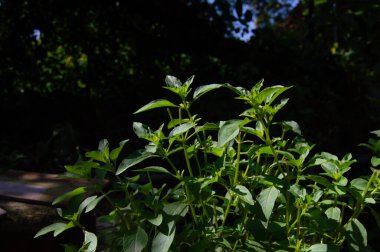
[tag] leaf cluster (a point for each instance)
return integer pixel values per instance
(235, 185)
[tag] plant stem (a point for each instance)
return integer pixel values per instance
(237, 160)
(192, 210)
(122, 216)
(187, 159)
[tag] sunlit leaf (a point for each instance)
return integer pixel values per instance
(267, 199)
(50, 228)
(204, 89)
(244, 194)
(69, 195)
(172, 81)
(132, 160)
(155, 104)
(90, 242)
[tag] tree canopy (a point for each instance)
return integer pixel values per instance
(92, 63)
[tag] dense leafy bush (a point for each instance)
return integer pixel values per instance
(247, 184)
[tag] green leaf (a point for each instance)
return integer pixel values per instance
(172, 81)
(103, 145)
(267, 199)
(320, 180)
(69, 195)
(204, 89)
(180, 129)
(91, 206)
(96, 155)
(153, 169)
(298, 191)
(359, 184)
(269, 94)
(136, 241)
(242, 92)
(155, 104)
(132, 160)
(330, 168)
(376, 132)
(162, 242)
(189, 81)
(85, 203)
(142, 130)
(60, 230)
(116, 152)
(90, 242)
(370, 200)
(176, 209)
(229, 130)
(175, 122)
(293, 126)
(357, 236)
(82, 168)
(375, 161)
(323, 248)
(333, 213)
(244, 194)
(50, 228)
(156, 220)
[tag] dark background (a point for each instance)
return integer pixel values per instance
(73, 72)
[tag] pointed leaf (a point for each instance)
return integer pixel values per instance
(244, 194)
(115, 152)
(50, 228)
(153, 169)
(293, 126)
(93, 203)
(269, 94)
(69, 195)
(136, 241)
(204, 89)
(228, 131)
(96, 155)
(132, 160)
(330, 168)
(267, 199)
(156, 220)
(180, 129)
(172, 81)
(155, 104)
(357, 236)
(162, 242)
(90, 242)
(376, 132)
(176, 209)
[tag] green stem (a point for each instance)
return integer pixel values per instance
(187, 159)
(192, 210)
(360, 205)
(227, 209)
(237, 161)
(171, 164)
(122, 216)
(270, 143)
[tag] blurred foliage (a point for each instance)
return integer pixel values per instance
(88, 62)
